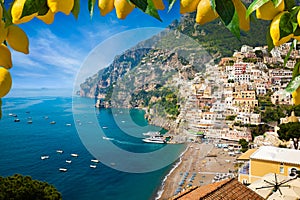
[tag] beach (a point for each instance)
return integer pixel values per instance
(198, 165)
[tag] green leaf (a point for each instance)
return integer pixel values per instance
(76, 9)
(228, 15)
(269, 40)
(35, 6)
(277, 2)
(293, 85)
(296, 71)
(7, 16)
(289, 4)
(91, 6)
(285, 25)
(254, 5)
(147, 6)
(213, 4)
(288, 54)
(171, 4)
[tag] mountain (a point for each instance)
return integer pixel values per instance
(153, 73)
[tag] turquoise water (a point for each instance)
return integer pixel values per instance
(22, 144)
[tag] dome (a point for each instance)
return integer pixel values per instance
(293, 118)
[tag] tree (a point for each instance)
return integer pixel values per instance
(244, 145)
(18, 187)
(290, 131)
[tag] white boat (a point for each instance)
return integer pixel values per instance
(106, 138)
(105, 127)
(95, 161)
(152, 133)
(53, 122)
(59, 151)
(74, 155)
(69, 125)
(63, 169)
(44, 157)
(93, 166)
(29, 122)
(69, 161)
(10, 114)
(155, 139)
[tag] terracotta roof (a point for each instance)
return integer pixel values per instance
(228, 189)
(247, 154)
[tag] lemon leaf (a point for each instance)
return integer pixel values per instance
(228, 15)
(293, 85)
(285, 26)
(76, 8)
(7, 15)
(147, 6)
(35, 6)
(269, 40)
(289, 4)
(288, 54)
(296, 70)
(276, 2)
(255, 5)
(91, 6)
(171, 4)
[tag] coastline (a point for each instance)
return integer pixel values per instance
(197, 166)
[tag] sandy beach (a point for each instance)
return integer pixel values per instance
(199, 165)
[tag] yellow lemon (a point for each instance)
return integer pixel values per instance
(188, 6)
(205, 13)
(5, 57)
(48, 18)
(17, 39)
(268, 10)
(275, 31)
(159, 4)
(1, 12)
(5, 82)
(64, 6)
(123, 8)
(241, 11)
(105, 6)
(296, 96)
(16, 12)
(3, 31)
(298, 18)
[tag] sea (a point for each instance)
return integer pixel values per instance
(23, 143)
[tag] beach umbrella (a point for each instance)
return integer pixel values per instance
(276, 186)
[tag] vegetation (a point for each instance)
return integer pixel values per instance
(18, 187)
(290, 131)
(244, 145)
(230, 117)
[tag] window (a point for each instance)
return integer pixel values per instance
(281, 170)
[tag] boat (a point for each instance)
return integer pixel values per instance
(44, 157)
(59, 151)
(29, 122)
(105, 127)
(63, 169)
(106, 138)
(152, 133)
(53, 122)
(69, 161)
(74, 155)
(10, 114)
(95, 161)
(93, 166)
(46, 117)
(17, 120)
(68, 124)
(155, 139)
(14, 115)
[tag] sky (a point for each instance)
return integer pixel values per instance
(58, 51)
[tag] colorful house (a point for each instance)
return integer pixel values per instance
(268, 159)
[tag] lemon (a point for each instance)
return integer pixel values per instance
(16, 12)
(48, 18)
(17, 39)
(241, 11)
(268, 10)
(205, 13)
(298, 18)
(296, 96)
(105, 6)
(3, 31)
(64, 6)
(123, 8)
(5, 57)
(188, 6)
(275, 31)
(159, 4)
(5, 82)
(1, 12)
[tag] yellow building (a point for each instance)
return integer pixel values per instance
(268, 159)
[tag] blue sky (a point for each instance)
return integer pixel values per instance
(57, 51)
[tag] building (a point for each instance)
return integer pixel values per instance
(269, 159)
(228, 189)
(281, 97)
